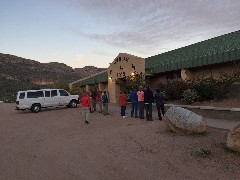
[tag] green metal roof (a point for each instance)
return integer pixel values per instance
(95, 79)
(216, 50)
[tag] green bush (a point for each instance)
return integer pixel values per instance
(206, 87)
(189, 95)
(173, 88)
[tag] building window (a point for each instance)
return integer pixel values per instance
(173, 74)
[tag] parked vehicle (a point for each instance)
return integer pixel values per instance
(34, 100)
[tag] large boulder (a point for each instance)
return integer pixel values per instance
(181, 120)
(233, 139)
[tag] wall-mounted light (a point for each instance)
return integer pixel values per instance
(110, 78)
(132, 73)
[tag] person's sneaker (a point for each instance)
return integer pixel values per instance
(86, 122)
(124, 116)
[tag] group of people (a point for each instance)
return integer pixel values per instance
(143, 99)
(140, 99)
(89, 102)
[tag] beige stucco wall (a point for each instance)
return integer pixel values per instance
(212, 70)
(122, 66)
(193, 73)
(102, 86)
(156, 80)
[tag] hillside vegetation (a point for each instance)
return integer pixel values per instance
(18, 73)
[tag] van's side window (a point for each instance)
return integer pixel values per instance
(47, 93)
(22, 95)
(63, 93)
(53, 93)
(36, 94)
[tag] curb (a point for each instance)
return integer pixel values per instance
(206, 107)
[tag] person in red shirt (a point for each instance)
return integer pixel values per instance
(123, 104)
(85, 101)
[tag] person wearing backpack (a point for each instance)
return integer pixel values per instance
(159, 98)
(105, 101)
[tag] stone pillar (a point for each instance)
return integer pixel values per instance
(101, 86)
(114, 90)
(88, 87)
(186, 75)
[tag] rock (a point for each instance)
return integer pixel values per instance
(181, 120)
(233, 139)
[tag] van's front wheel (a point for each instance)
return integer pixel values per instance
(36, 108)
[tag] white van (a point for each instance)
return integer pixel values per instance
(34, 100)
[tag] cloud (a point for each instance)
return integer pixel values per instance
(146, 26)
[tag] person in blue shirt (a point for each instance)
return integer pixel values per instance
(134, 101)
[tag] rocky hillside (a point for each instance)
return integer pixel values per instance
(18, 73)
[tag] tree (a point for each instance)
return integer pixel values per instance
(132, 81)
(61, 85)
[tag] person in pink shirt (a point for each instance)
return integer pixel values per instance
(140, 95)
(85, 101)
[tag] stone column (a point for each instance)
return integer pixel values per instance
(88, 87)
(101, 86)
(186, 75)
(114, 90)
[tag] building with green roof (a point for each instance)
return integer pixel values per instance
(210, 57)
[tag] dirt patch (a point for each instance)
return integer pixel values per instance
(56, 144)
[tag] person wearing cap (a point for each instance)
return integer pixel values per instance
(105, 101)
(140, 95)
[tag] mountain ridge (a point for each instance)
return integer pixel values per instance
(17, 73)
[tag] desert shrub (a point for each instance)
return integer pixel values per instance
(173, 89)
(190, 95)
(133, 82)
(206, 87)
(210, 88)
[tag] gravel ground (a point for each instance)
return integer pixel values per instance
(56, 144)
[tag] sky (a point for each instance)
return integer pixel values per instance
(93, 32)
